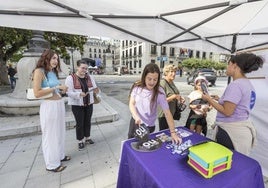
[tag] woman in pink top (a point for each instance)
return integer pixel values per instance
(145, 96)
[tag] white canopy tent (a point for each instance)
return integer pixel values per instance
(207, 25)
(211, 25)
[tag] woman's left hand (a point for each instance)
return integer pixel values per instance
(96, 90)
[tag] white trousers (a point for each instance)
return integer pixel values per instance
(52, 120)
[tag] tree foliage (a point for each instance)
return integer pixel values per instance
(60, 42)
(194, 63)
(13, 42)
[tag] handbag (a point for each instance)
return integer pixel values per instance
(30, 93)
(97, 98)
(177, 114)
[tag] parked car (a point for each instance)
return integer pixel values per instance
(209, 74)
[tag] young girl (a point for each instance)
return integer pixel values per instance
(197, 118)
(145, 96)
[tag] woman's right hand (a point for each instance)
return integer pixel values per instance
(175, 138)
(138, 121)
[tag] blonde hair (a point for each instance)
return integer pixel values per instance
(168, 68)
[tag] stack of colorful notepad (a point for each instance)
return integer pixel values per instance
(210, 158)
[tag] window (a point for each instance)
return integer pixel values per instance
(103, 51)
(99, 50)
(204, 55)
(99, 55)
(210, 55)
(152, 60)
(130, 52)
(135, 63)
(190, 53)
(197, 54)
(135, 51)
(171, 51)
(140, 63)
(95, 50)
(163, 50)
(90, 55)
(95, 55)
(123, 43)
(153, 49)
(140, 50)
(89, 49)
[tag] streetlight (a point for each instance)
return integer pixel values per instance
(72, 52)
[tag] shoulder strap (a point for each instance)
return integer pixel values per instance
(32, 76)
(171, 87)
(45, 77)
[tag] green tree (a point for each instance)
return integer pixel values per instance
(194, 63)
(14, 41)
(11, 40)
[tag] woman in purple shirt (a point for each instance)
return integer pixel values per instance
(234, 129)
(145, 96)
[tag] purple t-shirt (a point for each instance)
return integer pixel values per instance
(142, 98)
(242, 93)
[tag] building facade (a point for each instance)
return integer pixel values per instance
(135, 55)
(130, 57)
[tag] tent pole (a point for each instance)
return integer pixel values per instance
(233, 49)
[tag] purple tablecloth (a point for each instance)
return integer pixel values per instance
(163, 169)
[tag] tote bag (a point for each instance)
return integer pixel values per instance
(30, 93)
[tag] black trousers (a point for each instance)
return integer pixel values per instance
(162, 123)
(223, 138)
(133, 127)
(82, 115)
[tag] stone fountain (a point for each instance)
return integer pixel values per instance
(16, 103)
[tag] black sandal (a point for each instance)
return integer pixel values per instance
(66, 158)
(58, 169)
(89, 141)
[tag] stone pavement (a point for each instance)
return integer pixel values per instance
(16, 126)
(22, 164)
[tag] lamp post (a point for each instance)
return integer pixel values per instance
(72, 52)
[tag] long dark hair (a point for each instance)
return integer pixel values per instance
(44, 62)
(149, 68)
(247, 62)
